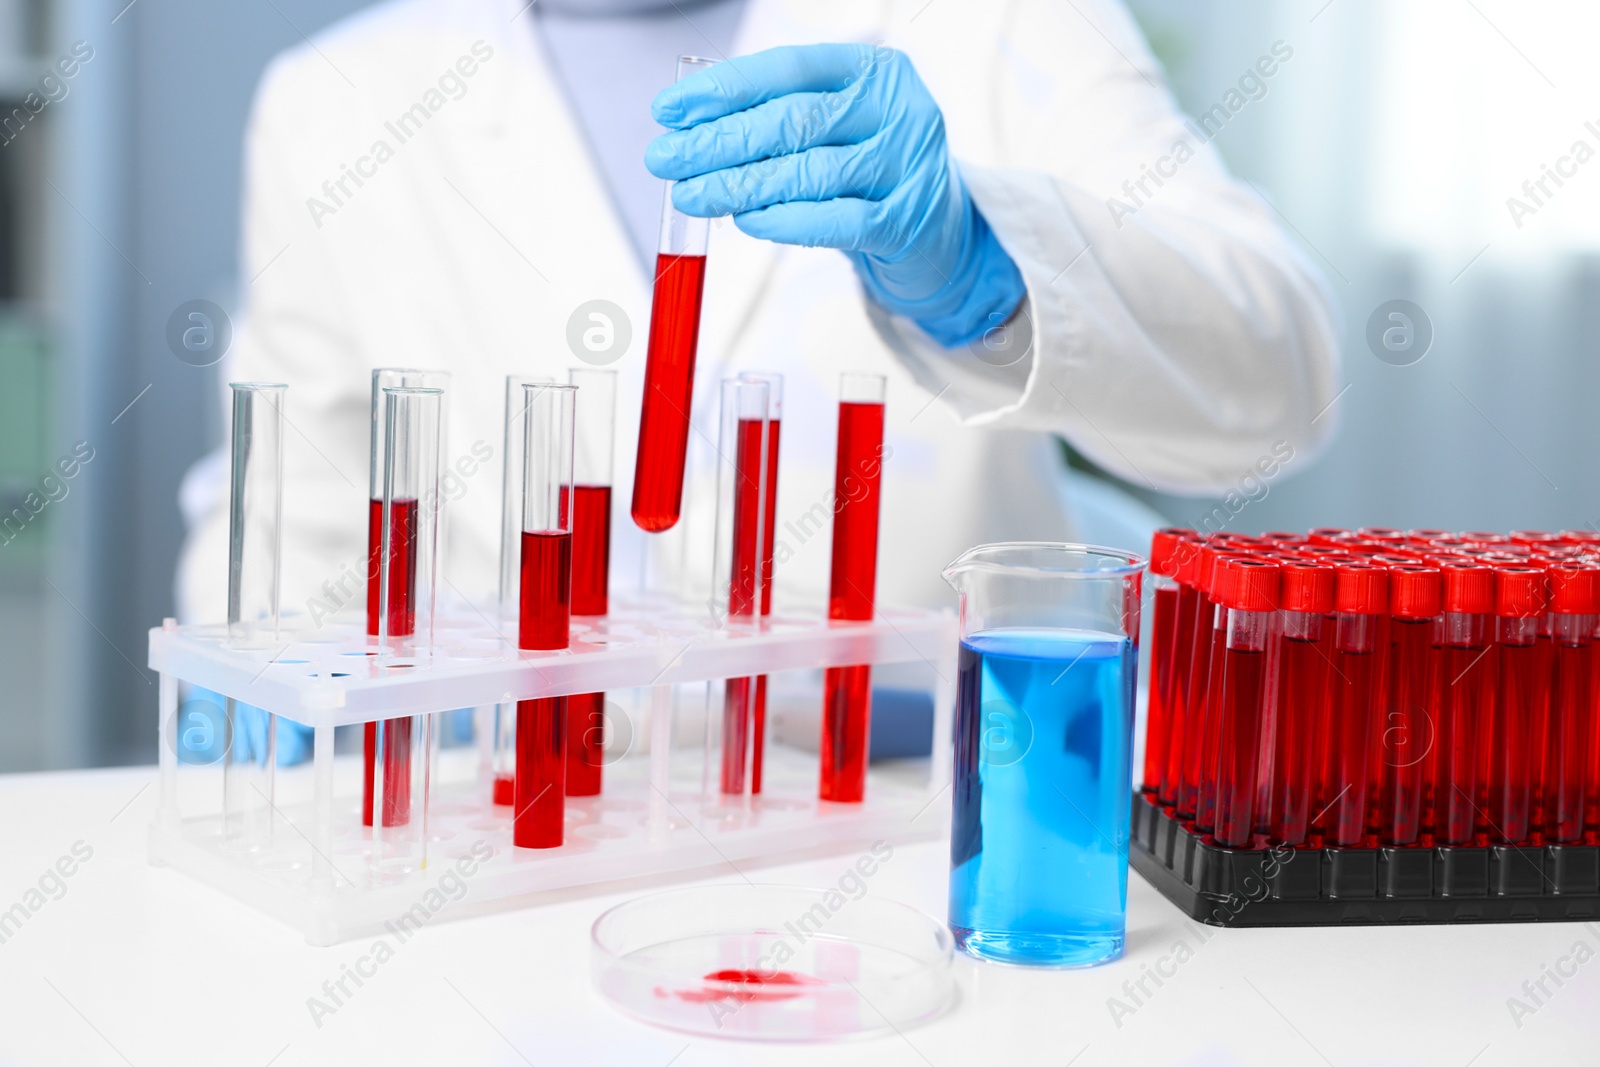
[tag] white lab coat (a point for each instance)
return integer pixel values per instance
(1175, 349)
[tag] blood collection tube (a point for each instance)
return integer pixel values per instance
(503, 740)
(544, 610)
(255, 549)
(1191, 604)
(1207, 617)
(1408, 729)
(1163, 634)
(1466, 693)
(595, 437)
(1574, 602)
(408, 562)
(669, 363)
(386, 378)
(1205, 756)
(853, 576)
(742, 536)
(1305, 649)
(769, 518)
(1250, 595)
(1521, 598)
(1361, 604)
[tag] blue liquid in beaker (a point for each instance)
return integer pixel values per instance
(1039, 841)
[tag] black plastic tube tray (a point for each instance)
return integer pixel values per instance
(1285, 886)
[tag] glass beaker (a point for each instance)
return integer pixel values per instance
(1043, 751)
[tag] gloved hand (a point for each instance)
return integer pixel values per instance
(840, 146)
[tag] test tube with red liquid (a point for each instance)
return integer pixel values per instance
(847, 691)
(1191, 619)
(1211, 629)
(503, 741)
(769, 518)
(387, 378)
(1466, 694)
(593, 446)
(669, 361)
(1514, 749)
(743, 537)
(255, 548)
(1574, 603)
(408, 567)
(1305, 649)
(1165, 591)
(1407, 733)
(544, 610)
(1248, 591)
(1361, 605)
(1204, 758)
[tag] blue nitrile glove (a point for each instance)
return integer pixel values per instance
(202, 733)
(840, 146)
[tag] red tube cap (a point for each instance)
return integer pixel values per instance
(1415, 591)
(1468, 587)
(1520, 592)
(1534, 537)
(1430, 535)
(1164, 550)
(1360, 589)
(1247, 584)
(1485, 537)
(1574, 589)
(1328, 535)
(1306, 586)
(1580, 537)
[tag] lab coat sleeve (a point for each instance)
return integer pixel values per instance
(1178, 338)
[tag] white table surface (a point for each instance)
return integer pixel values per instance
(143, 966)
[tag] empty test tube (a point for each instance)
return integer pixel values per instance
(255, 547)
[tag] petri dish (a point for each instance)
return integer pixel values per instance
(772, 962)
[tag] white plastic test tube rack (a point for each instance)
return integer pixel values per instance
(652, 818)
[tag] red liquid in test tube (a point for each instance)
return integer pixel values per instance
(545, 606)
(1249, 593)
(1408, 731)
(1191, 607)
(847, 691)
(1163, 652)
(1520, 602)
(669, 360)
(745, 592)
(668, 391)
(594, 438)
(1360, 613)
(1205, 756)
(1574, 601)
(402, 623)
(1194, 728)
(1466, 693)
(1306, 650)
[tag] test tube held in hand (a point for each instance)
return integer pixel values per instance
(385, 378)
(847, 691)
(742, 539)
(408, 568)
(545, 608)
(594, 443)
(669, 362)
(255, 548)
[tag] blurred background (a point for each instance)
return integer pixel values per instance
(1389, 143)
